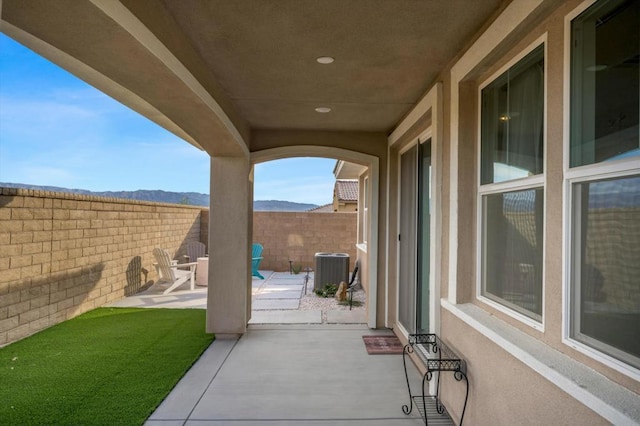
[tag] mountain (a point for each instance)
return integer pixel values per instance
(281, 206)
(191, 198)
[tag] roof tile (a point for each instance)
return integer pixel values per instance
(347, 189)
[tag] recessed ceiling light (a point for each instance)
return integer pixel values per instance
(323, 110)
(325, 60)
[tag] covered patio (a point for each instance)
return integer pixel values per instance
(298, 374)
(292, 366)
(259, 82)
(481, 134)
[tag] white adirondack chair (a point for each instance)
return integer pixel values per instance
(170, 273)
(194, 249)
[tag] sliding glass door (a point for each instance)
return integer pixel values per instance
(415, 239)
(407, 261)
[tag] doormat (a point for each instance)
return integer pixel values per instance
(382, 345)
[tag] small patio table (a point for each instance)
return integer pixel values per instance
(202, 272)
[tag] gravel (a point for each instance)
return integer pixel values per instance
(311, 301)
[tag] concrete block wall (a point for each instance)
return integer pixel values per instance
(64, 254)
(204, 228)
(298, 236)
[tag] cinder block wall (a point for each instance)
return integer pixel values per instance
(299, 236)
(204, 228)
(64, 254)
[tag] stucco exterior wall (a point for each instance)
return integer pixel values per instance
(503, 389)
(64, 254)
(298, 236)
(342, 207)
(550, 28)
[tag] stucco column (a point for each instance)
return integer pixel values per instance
(230, 236)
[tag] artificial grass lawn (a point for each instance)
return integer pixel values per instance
(110, 366)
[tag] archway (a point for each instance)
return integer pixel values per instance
(373, 165)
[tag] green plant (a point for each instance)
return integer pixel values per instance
(329, 290)
(296, 268)
(109, 366)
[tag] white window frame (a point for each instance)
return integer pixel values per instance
(583, 174)
(532, 182)
(365, 209)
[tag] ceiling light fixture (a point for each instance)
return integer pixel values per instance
(323, 110)
(325, 60)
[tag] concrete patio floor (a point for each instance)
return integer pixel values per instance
(290, 375)
(275, 300)
(290, 367)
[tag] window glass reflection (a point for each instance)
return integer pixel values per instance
(605, 76)
(512, 263)
(513, 121)
(607, 253)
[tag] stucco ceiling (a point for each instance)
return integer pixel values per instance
(387, 54)
(255, 60)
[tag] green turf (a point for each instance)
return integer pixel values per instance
(110, 366)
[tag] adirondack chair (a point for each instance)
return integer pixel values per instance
(170, 273)
(194, 249)
(256, 258)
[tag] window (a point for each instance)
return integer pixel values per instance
(512, 255)
(511, 188)
(604, 180)
(606, 244)
(604, 83)
(512, 121)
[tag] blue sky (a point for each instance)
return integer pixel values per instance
(57, 130)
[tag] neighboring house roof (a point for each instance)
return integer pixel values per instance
(327, 208)
(346, 170)
(346, 190)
